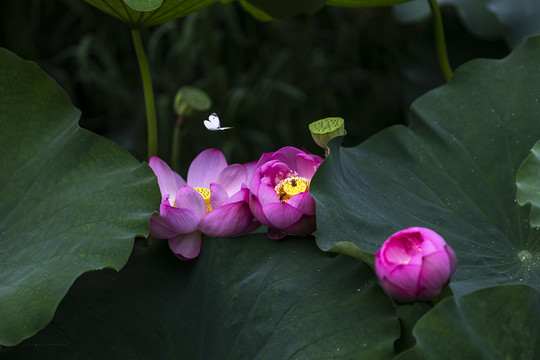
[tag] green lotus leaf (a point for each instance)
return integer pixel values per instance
(494, 323)
(144, 13)
(71, 200)
(452, 170)
(244, 298)
(144, 5)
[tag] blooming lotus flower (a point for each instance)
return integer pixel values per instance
(213, 201)
(280, 196)
(415, 264)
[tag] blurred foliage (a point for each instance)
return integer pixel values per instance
(268, 80)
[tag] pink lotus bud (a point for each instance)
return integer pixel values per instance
(415, 264)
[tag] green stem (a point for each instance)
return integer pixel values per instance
(444, 64)
(148, 92)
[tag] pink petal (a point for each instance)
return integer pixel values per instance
(255, 180)
(431, 236)
(402, 246)
(218, 195)
(303, 227)
(382, 266)
(406, 277)
(250, 170)
(232, 178)
(307, 164)
(186, 246)
(435, 270)
(169, 182)
(266, 157)
(242, 195)
(303, 202)
(397, 292)
(429, 247)
(257, 210)
(287, 155)
(267, 194)
(273, 172)
(187, 198)
(228, 220)
(160, 229)
(281, 215)
(181, 220)
(205, 168)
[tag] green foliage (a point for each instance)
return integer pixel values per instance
(364, 3)
(528, 184)
(279, 9)
(189, 99)
(243, 298)
(71, 201)
(144, 13)
(494, 323)
(519, 19)
(515, 20)
(452, 170)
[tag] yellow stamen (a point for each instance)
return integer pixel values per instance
(291, 186)
(205, 193)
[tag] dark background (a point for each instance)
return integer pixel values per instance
(267, 80)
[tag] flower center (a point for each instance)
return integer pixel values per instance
(205, 193)
(291, 186)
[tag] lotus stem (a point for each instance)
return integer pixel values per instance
(440, 43)
(148, 93)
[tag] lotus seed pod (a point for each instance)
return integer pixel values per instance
(326, 129)
(189, 99)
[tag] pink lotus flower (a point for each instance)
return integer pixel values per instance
(214, 201)
(280, 196)
(415, 264)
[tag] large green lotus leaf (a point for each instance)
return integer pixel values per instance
(243, 298)
(452, 169)
(71, 200)
(494, 323)
(528, 184)
(140, 13)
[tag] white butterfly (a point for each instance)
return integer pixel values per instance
(213, 123)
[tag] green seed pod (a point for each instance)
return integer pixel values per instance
(326, 129)
(189, 99)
